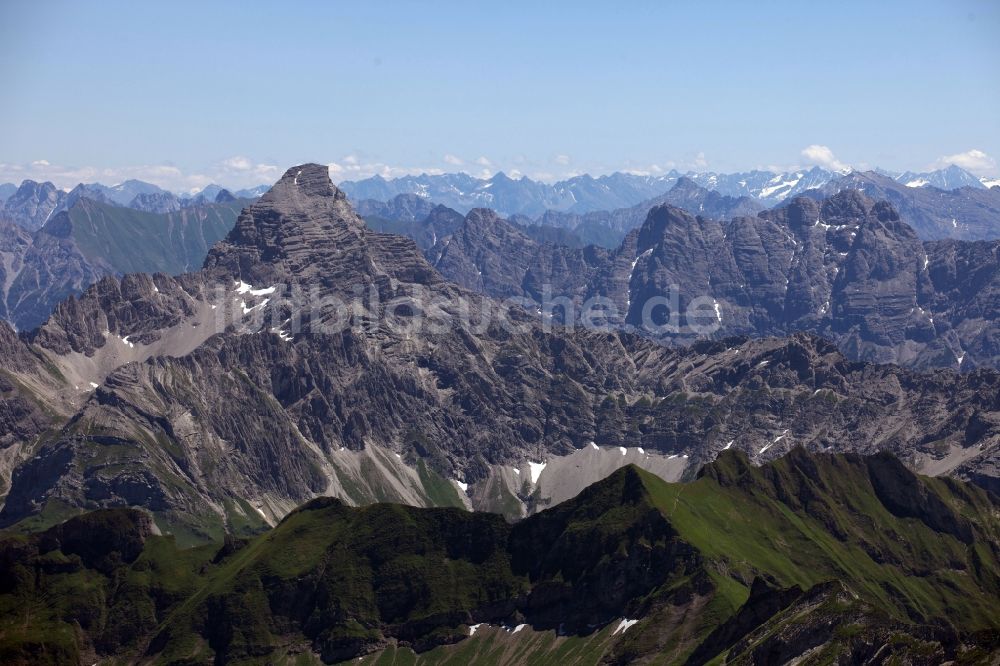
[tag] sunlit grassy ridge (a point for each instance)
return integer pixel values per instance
(827, 552)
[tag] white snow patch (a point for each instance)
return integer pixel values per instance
(247, 310)
(244, 288)
(729, 444)
(644, 254)
(623, 626)
(628, 301)
(786, 185)
(960, 357)
(623, 450)
(641, 451)
(927, 260)
(93, 385)
(473, 628)
(463, 486)
(536, 470)
(718, 310)
(595, 446)
(518, 628)
(954, 223)
(516, 470)
(125, 340)
(919, 182)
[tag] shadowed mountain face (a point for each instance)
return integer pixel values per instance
(90, 239)
(221, 399)
(846, 268)
(840, 557)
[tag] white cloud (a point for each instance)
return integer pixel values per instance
(824, 157)
(235, 172)
(974, 161)
(700, 162)
(659, 170)
(453, 160)
(353, 168)
(238, 163)
(483, 162)
(562, 160)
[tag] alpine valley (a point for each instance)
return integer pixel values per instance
(346, 438)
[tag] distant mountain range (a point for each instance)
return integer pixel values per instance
(949, 178)
(565, 204)
(32, 204)
(583, 194)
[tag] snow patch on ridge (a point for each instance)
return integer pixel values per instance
(244, 288)
(623, 626)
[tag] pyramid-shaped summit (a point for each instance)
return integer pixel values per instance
(304, 231)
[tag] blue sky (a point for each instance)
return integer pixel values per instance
(183, 93)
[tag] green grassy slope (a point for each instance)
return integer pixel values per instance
(838, 555)
(131, 241)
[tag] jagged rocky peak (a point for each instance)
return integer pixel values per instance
(303, 231)
(304, 213)
(661, 220)
(686, 184)
(485, 219)
(846, 208)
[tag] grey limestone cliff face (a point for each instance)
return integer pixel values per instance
(846, 268)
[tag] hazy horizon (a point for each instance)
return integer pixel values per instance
(186, 95)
